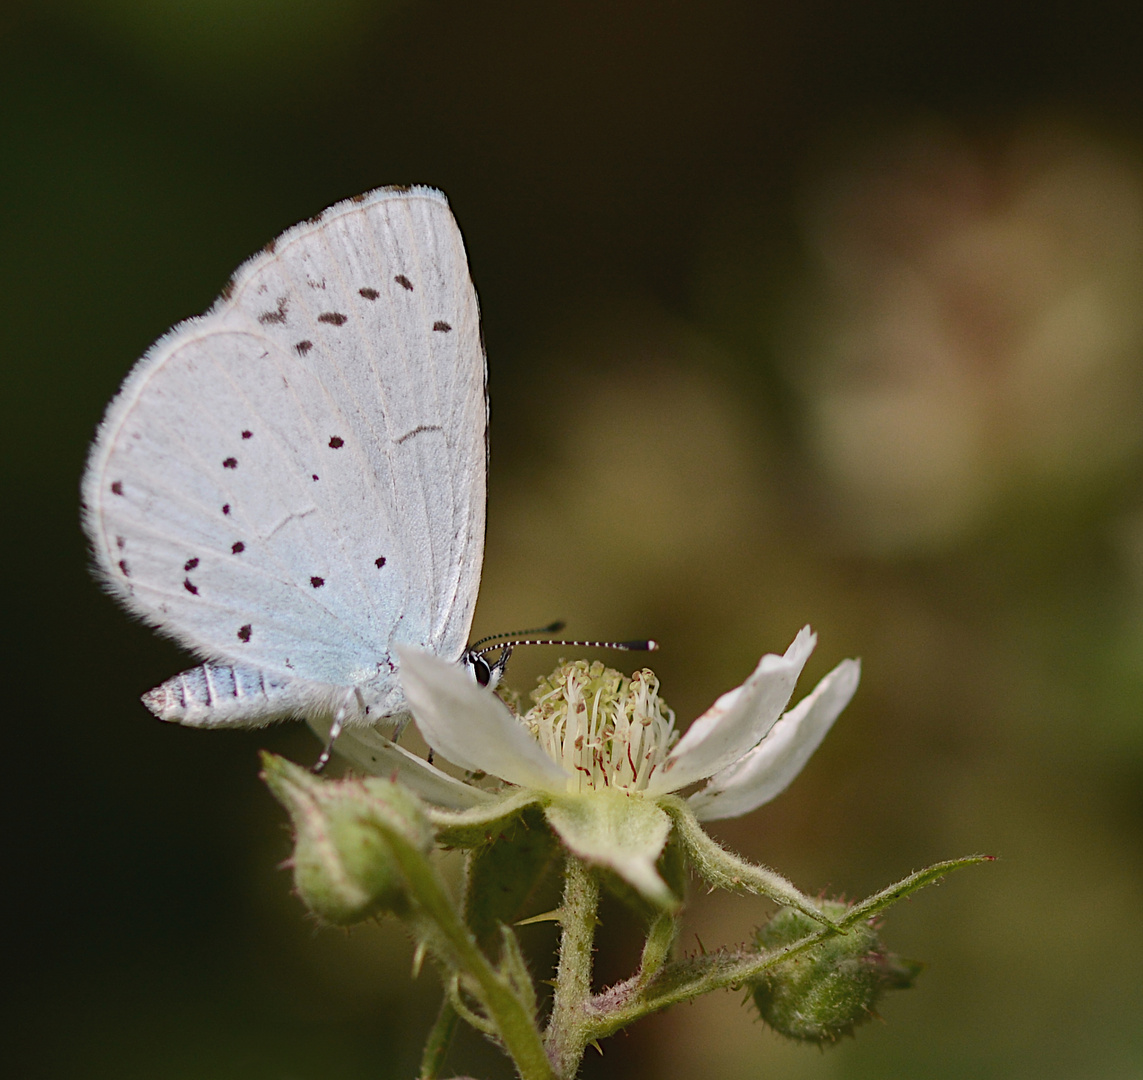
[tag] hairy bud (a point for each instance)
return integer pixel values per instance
(344, 870)
(824, 992)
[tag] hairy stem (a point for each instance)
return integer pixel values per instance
(684, 980)
(566, 1036)
(722, 869)
(438, 1042)
(661, 938)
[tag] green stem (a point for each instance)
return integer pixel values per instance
(722, 869)
(448, 935)
(661, 938)
(684, 980)
(625, 1003)
(438, 1042)
(566, 1036)
(879, 901)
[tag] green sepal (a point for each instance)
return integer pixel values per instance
(478, 826)
(514, 969)
(619, 832)
(671, 867)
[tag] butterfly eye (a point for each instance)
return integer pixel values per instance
(481, 670)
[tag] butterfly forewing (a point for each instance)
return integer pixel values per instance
(296, 480)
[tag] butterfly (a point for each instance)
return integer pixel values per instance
(294, 483)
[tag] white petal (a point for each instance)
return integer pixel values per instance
(737, 721)
(370, 751)
(471, 726)
(769, 767)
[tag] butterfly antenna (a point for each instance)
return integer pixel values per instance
(551, 628)
(489, 672)
(641, 645)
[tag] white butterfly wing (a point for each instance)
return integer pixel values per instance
(295, 481)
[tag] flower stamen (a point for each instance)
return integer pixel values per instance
(617, 742)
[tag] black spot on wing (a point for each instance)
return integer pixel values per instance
(190, 586)
(336, 443)
(244, 632)
(404, 282)
(317, 582)
(226, 509)
(442, 326)
(237, 548)
(123, 567)
(303, 347)
(117, 487)
(190, 564)
(368, 293)
(334, 318)
(380, 562)
(247, 434)
(120, 542)
(314, 476)
(230, 463)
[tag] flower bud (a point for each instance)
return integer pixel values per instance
(344, 870)
(824, 992)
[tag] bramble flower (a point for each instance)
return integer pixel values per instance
(596, 766)
(600, 753)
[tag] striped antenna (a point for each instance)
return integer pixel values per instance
(488, 673)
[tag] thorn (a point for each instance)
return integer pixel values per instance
(419, 958)
(555, 915)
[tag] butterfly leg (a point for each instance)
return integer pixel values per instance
(351, 697)
(496, 670)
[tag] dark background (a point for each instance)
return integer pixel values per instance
(815, 312)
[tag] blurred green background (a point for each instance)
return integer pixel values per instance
(816, 312)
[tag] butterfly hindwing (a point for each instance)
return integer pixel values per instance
(296, 480)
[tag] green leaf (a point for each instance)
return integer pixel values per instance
(505, 875)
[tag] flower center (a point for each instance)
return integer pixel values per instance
(605, 729)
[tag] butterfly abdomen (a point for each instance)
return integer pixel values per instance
(223, 695)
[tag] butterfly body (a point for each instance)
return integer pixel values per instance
(293, 483)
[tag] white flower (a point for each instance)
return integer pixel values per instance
(601, 754)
